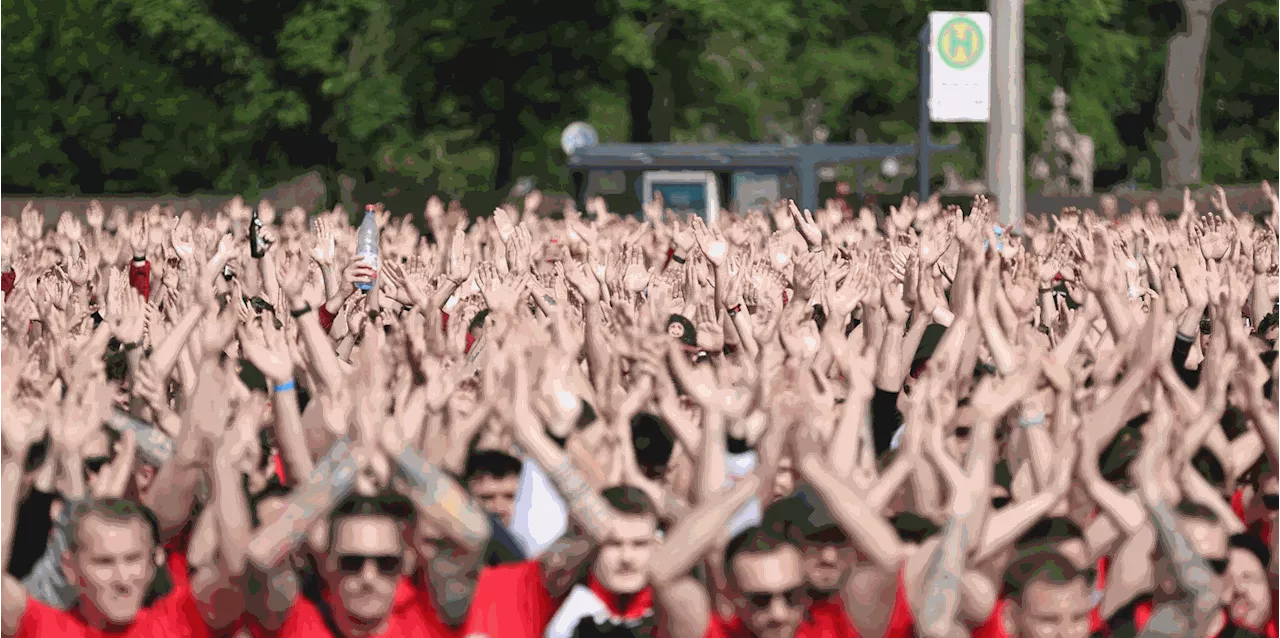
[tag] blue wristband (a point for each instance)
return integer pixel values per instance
(286, 386)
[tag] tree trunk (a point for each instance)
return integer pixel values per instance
(1179, 111)
(639, 102)
(651, 101)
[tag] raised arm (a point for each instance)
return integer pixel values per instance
(1189, 615)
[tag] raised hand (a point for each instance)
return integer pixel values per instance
(806, 225)
(459, 267)
(710, 242)
(128, 317)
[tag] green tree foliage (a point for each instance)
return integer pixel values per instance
(134, 96)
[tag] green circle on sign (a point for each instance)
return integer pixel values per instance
(960, 43)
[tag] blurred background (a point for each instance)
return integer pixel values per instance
(399, 99)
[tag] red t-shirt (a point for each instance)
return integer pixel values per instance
(511, 601)
(824, 619)
(902, 623)
(173, 616)
(827, 618)
(411, 617)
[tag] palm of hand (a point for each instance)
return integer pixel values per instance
(635, 278)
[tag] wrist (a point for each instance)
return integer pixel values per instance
(287, 386)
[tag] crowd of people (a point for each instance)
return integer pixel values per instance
(786, 423)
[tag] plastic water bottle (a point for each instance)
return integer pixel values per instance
(367, 244)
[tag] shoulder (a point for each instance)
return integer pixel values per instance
(39, 619)
(511, 578)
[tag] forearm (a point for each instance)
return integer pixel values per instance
(844, 447)
(1007, 525)
(320, 351)
(165, 355)
(585, 505)
(289, 433)
(911, 343)
(1190, 572)
(889, 374)
(332, 479)
(696, 534)
(172, 492)
(155, 447)
(232, 512)
(440, 499)
(867, 528)
(940, 586)
(711, 470)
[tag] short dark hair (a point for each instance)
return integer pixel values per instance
(1046, 566)
(754, 540)
(629, 500)
(112, 510)
(652, 440)
(491, 463)
(388, 504)
(1252, 544)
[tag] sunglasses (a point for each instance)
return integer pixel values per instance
(794, 597)
(387, 565)
(1271, 501)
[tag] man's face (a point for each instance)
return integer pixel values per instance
(773, 591)
(113, 566)
(364, 566)
(1246, 590)
(827, 559)
(1054, 610)
(496, 495)
(623, 559)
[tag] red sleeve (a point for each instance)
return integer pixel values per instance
(326, 318)
(140, 278)
(511, 600)
(6, 281)
(40, 620)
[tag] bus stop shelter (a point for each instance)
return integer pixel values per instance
(801, 160)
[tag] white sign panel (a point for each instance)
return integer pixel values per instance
(959, 67)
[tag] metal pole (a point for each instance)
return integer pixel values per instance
(922, 155)
(808, 175)
(1005, 165)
